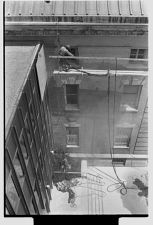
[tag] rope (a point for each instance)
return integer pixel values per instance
(122, 184)
(58, 35)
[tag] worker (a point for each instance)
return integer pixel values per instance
(64, 63)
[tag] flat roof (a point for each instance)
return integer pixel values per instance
(123, 8)
(17, 63)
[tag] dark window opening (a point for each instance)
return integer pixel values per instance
(141, 53)
(72, 94)
(138, 54)
(133, 53)
(75, 52)
(120, 161)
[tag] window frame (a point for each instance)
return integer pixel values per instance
(119, 161)
(137, 54)
(69, 106)
(136, 106)
(119, 134)
(67, 127)
(75, 52)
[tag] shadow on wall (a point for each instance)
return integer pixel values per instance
(136, 199)
(134, 203)
(56, 100)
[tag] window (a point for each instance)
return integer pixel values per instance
(7, 169)
(31, 173)
(72, 134)
(33, 209)
(12, 193)
(24, 148)
(75, 52)
(6, 211)
(138, 53)
(122, 136)
(130, 97)
(11, 144)
(36, 193)
(72, 95)
(41, 160)
(32, 116)
(27, 126)
(119, 161)
(18, 169)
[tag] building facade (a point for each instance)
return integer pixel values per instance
(28, 138)
(100, 108)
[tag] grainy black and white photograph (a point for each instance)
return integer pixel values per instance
(76, 107)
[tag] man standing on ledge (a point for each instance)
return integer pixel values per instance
(64, 63)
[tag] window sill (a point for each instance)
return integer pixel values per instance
(72, 146)
(120, 147)
(130, 110)
(137, 61)
(71, 108)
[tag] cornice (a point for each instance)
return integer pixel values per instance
(44, 30)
